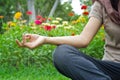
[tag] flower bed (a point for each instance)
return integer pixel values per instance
(11, 54)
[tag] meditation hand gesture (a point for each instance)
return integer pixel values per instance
(31, 41)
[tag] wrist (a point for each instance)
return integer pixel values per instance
(46, 40)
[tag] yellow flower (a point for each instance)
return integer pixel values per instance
(82, 19)
(1, 17)
(18, 15)
(78, 20)
(74, 22)
(11, 24)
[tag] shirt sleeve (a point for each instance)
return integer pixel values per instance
(96, 11)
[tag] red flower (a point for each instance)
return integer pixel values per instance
(29, 13)
(41, 18)
(85, 13)
(38, 22)
(38, 17)
(48, 28)
(84, 7)
(71, 14)
(53, 27)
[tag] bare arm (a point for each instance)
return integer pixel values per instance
(78, 41)
(81, 40)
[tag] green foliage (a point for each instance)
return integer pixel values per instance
(48, 72)
(63, 10)
(8, 8)
(12, 54)
(87, 2)
(43, 7)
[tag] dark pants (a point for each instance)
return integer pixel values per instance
(73, 64)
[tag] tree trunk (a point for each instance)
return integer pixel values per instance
(32, 9)
(53, 8)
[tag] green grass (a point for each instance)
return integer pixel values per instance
(47, 72)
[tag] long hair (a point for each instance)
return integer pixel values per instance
(115, 4)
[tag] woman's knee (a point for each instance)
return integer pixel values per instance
(61, 53)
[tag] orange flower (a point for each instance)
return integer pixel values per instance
(71, 14)
(1, 17)
(72, 34)
(18, 15)
(49, 19)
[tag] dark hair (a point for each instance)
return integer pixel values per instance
(115, 4)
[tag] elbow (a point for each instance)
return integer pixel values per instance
(83, 44)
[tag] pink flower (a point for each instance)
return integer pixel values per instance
(29, 13)
(38, 22)
(40, 18)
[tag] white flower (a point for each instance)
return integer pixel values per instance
(59, 19)
(45, 24)
(59, 26)
(55, 22)
(69, 27)
(65, 23)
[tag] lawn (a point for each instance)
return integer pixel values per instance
(47, 72)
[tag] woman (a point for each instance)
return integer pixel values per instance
(76, 65)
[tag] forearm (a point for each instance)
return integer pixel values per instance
(76, 41)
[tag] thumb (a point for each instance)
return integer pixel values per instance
(19, 43)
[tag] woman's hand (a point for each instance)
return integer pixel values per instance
(31, 41)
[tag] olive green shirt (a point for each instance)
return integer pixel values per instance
(112, 33)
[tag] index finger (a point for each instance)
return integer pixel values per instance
(26, 37)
